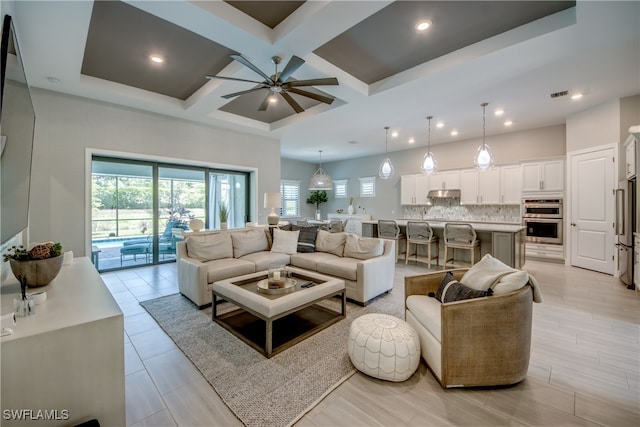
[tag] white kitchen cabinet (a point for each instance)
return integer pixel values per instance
(543, 176)
(480, 187)
(414, 189)
(449, 180)
(510, 189)
(354, 221)
(630, 157)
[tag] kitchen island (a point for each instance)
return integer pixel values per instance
(503, 241)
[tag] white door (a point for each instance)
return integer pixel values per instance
(592, 210)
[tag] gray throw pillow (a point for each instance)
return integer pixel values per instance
(307, 238)
(451, 290)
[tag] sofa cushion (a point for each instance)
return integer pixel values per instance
(264, 259)
(285, 242)
(332, 243)
(486, 273)
(427, 311)
(208, 247)
(309, 261)
(363, 247)
(246, 242)
(307, 238)
(511, 282)
(345, 268)
(220, 269)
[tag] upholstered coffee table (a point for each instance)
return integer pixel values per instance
(273, 323)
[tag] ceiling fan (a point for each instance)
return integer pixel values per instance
(279, 83)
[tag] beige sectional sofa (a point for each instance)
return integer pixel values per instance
(367, 265)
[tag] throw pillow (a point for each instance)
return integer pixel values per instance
(486, 273)
(362, 247)
(208, 247)
(248, 242)
(451, 290)
(285, 242)
(307, 238)
(332, 243)
(511, 282)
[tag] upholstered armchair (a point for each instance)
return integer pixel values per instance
(474, 342)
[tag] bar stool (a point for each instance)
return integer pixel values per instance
(389, 229)
(421, 233)
(460, 236)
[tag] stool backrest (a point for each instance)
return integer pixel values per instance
(388, 229)
(336, 226)
(459, 234)
(419, 230)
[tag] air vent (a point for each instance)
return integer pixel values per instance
(352, 142)
(559, 94)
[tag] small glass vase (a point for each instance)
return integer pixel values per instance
(24, 306)
(318, 215)
(277, 276)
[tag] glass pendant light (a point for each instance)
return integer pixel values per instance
(386, 168)
(429, 164)
(320, 180)
(484, 158)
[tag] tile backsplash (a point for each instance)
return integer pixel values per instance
(451, 210)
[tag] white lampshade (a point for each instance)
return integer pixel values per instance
(273, 201)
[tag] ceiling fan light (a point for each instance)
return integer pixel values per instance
(386, 169)
(429, 164)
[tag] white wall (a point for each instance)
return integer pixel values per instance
(66, 127)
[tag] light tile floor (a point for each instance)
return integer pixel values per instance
(584, 368)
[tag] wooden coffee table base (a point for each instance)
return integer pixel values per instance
(271, 336)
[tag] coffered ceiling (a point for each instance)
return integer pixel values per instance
(512, 54)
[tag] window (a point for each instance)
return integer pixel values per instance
(290, 193)
(368, 186)
(340, 188)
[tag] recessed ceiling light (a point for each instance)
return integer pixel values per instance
(576, 96)
(508, 123)
(440, 125)
(499, 112)
(423, 25)
(273, 99)
(157, 59)
(394, 134)
(454, 132)
(412, 141)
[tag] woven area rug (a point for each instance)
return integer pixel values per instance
(260, 391)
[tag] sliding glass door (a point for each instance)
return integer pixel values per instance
(140, 209)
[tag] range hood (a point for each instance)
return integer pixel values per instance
(444, 194)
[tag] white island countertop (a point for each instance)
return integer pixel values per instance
(478, 226)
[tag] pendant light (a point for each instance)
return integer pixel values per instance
(429, 164)
(484, 158)
(386, 168)
(320, 180)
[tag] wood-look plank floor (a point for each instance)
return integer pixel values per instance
(584, 368)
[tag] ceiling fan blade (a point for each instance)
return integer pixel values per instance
(265, 102)
(317, 97)
(294, 63)
(236, 80)
(233, 95)
(244, 61)
(329, 81)
(292, 102)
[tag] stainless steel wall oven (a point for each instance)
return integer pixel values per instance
(543, 220)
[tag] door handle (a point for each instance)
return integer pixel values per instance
(573, 224)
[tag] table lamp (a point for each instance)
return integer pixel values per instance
(273, 201)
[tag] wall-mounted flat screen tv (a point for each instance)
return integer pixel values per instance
(17, 121)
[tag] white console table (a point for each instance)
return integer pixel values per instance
(68, 356)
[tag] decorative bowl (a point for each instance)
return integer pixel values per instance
(36, 272)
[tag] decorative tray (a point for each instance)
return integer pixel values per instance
(289, 286)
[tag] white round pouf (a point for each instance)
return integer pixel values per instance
(384, 347)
